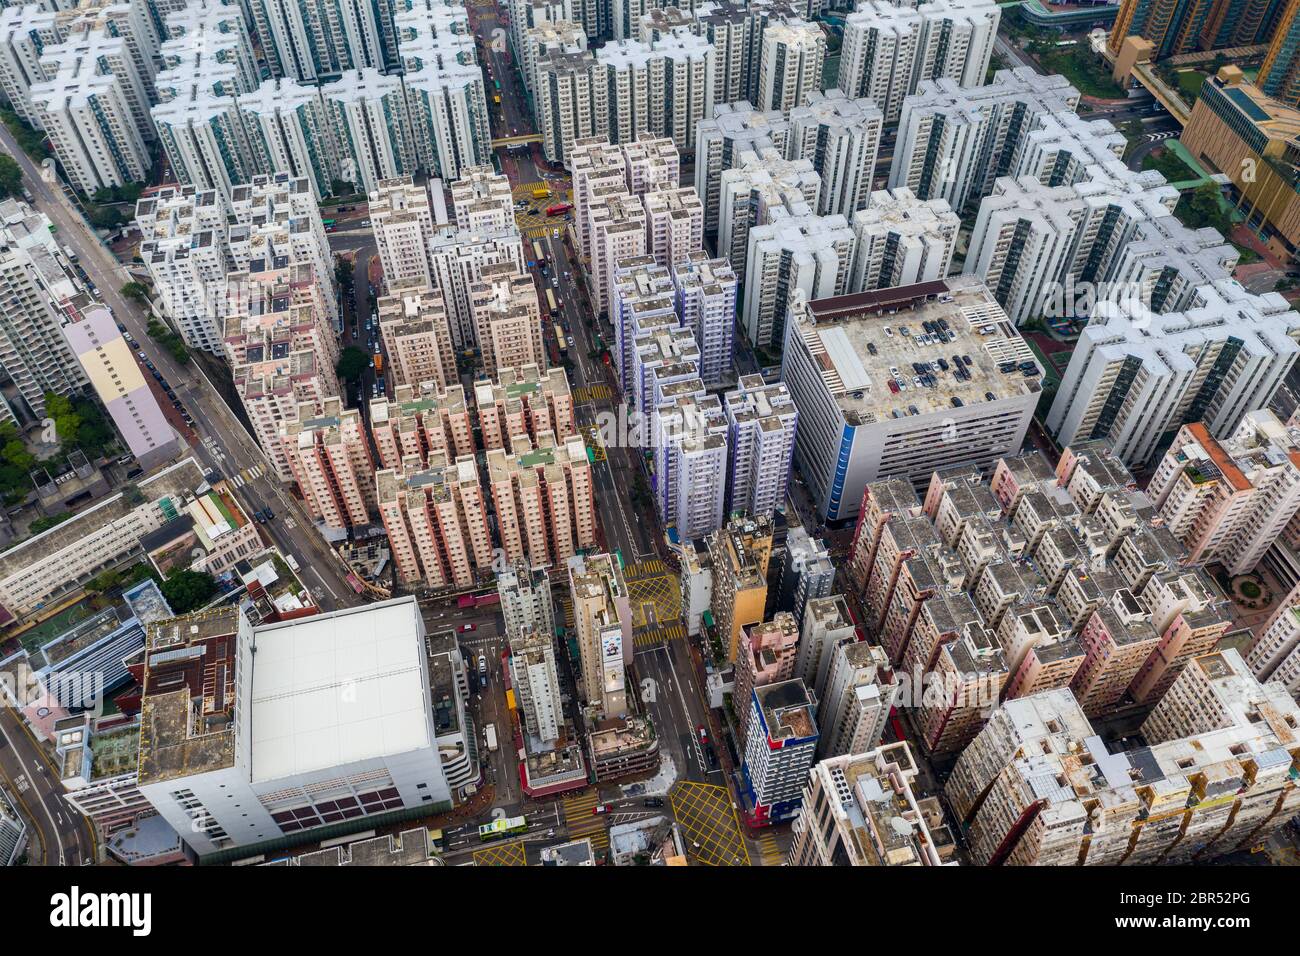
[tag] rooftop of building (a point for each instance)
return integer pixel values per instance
(1047, 93)
(619, 735)
(443, 659)
(408, 848)
(573, 853)
(863, 341)
(879, 808)
(336, 689)
(744, 544)
(167, 489)
(787, 710)
(187, 711)
(435, 479)
(1265, 324)
(1260, 444)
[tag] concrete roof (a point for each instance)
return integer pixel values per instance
(339, 688)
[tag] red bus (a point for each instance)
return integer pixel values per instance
(558, 209)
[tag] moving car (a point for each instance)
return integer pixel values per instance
(654, 801)
(601, 808)
(704, 734)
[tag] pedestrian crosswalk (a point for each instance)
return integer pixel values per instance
(566, 611)
(247, 475)
(592, 393)
(769, 852)
(642, 569)
(655, 636)
(582, 822)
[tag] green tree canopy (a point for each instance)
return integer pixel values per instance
(11, 177)
(135, 291)
(352, 362)
(188, 590)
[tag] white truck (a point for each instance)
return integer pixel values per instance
(290, 560)
(490, 731)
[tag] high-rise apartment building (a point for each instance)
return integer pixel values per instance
(369, 114)
(1274, 656)
(36, 288)
(416, 334)
(457, 260)
(888, 50)
(482, 201)
(289, 129)
(827, 623)
(526, 604)
(689, 434)
(88, 118)
(281, 347)
(674, 221)
(1136, 375)
(561, 36)
(807, 572)
(732, 129)
(780, 749)
(507, 319)
(1279, 76)
(1117, 640)
(544, 498)
(524, 401)
(571, 102)
(766, 655)
(788, 259)
(536, 682)
(706, 303)
(791, 57)
(421, 421)
(861, 689)
(761, 421)
(859, 809)
(1228, 501)
(25, 31)
(618, 231)
(401, 217)
(447, 109)
(329, 457)
(436, 517)
(902, 240)
(602, 618)
(597, 168)
(664, 88)
(762, 188)
(276, 215)
(739, 553)
(643, 298)
(842, 138)
(1201, 786)
(955, 140)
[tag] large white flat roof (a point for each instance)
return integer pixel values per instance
(339, 688)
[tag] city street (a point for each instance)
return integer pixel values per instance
(63, 834)
(219, 439)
